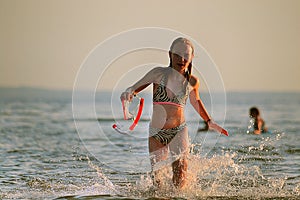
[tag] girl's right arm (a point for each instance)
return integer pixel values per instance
(144, 82)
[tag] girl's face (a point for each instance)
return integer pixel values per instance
(181, 56)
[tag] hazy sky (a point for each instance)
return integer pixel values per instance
(255, 44)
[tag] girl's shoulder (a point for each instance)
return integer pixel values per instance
(194, 81)
(158, 71)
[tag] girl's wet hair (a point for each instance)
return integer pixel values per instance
(187, 42)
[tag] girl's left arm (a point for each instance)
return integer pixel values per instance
(200, 108)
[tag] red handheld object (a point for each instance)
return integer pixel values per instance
(127, 115)
(138, 116)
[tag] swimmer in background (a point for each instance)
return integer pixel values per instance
(258, 123)
(205, 128)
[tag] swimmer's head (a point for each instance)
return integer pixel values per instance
(253, 112)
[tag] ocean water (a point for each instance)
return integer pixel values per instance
(45, 154)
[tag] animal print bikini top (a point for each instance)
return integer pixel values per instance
(161, 96)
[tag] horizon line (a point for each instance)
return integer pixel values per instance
(108, 90)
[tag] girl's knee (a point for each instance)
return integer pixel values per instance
(180, 165)
(179, 172)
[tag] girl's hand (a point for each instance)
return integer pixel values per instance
(215, 126)
(127, 95)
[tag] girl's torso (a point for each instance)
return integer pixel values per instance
(169, 98)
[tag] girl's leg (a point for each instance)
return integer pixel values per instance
(158, 152)
(179, 147)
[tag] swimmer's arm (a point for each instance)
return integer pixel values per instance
(259, 125)
(257, 132)
(141, 84)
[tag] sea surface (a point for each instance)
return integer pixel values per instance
(48, 152)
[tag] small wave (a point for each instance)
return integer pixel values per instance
(108, 119)
(293, 151)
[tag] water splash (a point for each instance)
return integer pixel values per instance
(250, 127)
(103, 186)
(218, 176)
(101, 175)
